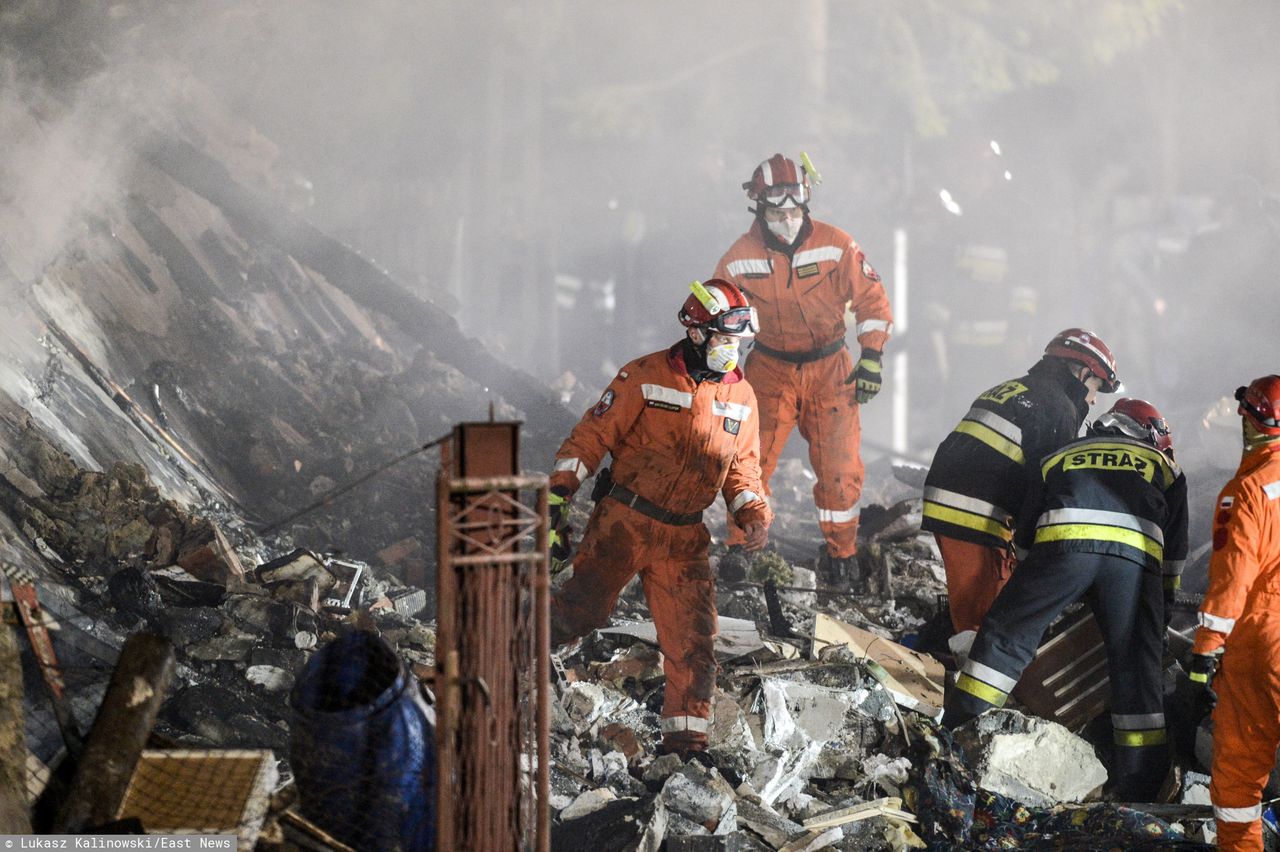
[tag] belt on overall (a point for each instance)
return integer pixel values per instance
(801, 357)
(627, 497)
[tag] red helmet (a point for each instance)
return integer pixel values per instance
(1139, 419)
(720, 307)
(1085, 347)
(1260, 402)
(779, 182)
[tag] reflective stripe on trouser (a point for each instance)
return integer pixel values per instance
(678, 585)
(814, 397)
(1246, 728)
(975, 575)
(1127, 602)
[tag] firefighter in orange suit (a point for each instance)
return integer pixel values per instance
(801, 274)
(682, 426)
(1241, 612)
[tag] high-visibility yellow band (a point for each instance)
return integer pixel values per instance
(1137, 739)
(984, 691)
(992, 439)
(1198, 677)
(1173, 583)
(1095, 532)
(555, 499)
(961, 518)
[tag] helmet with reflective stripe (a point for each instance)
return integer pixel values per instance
(1260, 402)
(779, 182)
(1136, 418)
(719, 307)
(1085, 347)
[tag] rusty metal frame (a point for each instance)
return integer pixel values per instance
(493, 662)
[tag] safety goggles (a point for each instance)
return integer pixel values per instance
(1132, 427)
(737, 321)
(779, 196)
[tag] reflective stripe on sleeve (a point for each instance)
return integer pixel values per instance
(1248, 814)
(1216, 622)
(972, 521)
(872, 325)
(1173, 582)
(992, 439)
(660, 393)
(674, 724)
(743, 498)
(838, 516)
(732, 410)
(814, 255)
(993, 421)
(750, 266)
(574, 466)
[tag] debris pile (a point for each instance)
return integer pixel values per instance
(824, 731)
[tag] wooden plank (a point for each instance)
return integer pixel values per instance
(128, 712)
(1067, 681)
(914, 679)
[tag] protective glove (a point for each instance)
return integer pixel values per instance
(866, 373)
(1203, 668)
(559, 543)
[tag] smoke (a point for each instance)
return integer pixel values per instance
(561, 171)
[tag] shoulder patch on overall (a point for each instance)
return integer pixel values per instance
(605, 403)
(868, 270)
(732, 426)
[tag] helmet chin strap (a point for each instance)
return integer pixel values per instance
(1253, 438)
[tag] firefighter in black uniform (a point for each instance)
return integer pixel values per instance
(978, 477)
(1106, 520)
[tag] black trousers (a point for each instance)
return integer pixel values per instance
(1128, 602)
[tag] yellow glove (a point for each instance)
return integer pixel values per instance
(867, 376)
(559, 545)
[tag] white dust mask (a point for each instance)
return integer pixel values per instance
(723, 358)
(787, 230)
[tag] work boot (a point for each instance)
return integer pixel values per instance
(695, 752)
(838, 571)
(734, 564)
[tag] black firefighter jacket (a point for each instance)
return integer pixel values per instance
(1109, 494)
(978, 479)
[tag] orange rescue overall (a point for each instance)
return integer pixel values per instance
(800, 367)
(1241, 609)
(676, 444)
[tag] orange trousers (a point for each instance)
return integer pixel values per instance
(814, 397)
(975, 575)
(679, 587)
(1246, 727)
